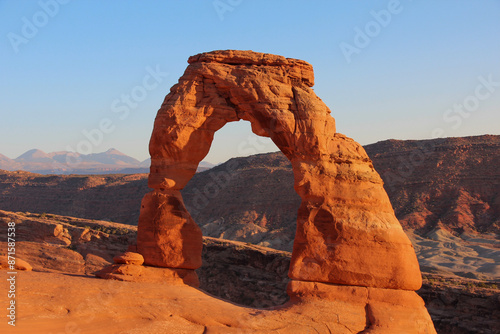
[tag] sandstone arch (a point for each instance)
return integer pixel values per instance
(347, 232)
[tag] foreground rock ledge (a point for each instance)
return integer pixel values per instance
(108, 306)
(135, 273)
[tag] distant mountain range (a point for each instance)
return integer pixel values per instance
(64, 162)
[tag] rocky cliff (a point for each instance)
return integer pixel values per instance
(450, 182)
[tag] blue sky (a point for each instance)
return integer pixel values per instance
(430, 69)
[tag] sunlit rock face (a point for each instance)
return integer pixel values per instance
(347, 233)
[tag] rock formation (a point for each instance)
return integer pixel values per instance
(242, 273)
(129, 258)
(347, 233)
(18, 265)
(128, 267)
(445, 182)
(115, 198)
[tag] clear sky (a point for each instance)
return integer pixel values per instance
(387, 69)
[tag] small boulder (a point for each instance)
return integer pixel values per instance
(129, 258)
(62, 235)
(23, 265)
(20, 264)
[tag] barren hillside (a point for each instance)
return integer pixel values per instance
(450, 182)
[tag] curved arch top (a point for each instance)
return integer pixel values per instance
(347, 232)
(272, 92)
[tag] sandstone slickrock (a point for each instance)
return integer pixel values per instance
(91, 243)
(385, 310)
(347, 232)
(242, 273)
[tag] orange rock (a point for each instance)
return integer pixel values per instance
(167, 236)
(19, 264)
(97, 306)
(129, 258)
(347, 232)
(135, 273)
(94, 263)
(23, 265)
(371, 310)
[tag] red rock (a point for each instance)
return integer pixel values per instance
(347, 232)
(135, 273)
(129, 258)
(94, 263)
(445, 181)
(19, 264)
(370, 310)
(167, 236)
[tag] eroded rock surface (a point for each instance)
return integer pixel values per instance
(17, 265)
(242, 273)
(129, 258)
(347, 232)
(168, 235)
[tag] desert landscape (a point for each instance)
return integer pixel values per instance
(459, 265)
(65, 252)
(233, 166)
(243, 209)
(266, 263)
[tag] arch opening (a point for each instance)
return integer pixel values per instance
(240, 200)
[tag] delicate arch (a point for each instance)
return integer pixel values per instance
(347, 232)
